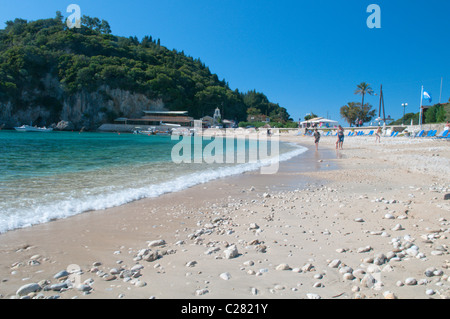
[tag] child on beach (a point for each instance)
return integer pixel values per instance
(340, 136)
(378, 135)
(316, 138)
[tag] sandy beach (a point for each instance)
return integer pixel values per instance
(369, 221)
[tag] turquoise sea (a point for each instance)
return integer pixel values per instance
(47, 176)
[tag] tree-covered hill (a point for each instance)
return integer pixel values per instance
(88, 76)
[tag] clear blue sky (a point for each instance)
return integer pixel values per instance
(308, 56)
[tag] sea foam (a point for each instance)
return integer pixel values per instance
(72, 205)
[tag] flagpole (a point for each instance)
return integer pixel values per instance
(421, 109)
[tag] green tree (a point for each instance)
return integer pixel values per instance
(430, 114)
(253, 111)
(440, 114)
(362, 89)
(310, 116)
(44, 63)
(349, 112)
(365, 113)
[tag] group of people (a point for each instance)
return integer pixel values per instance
(340, 138)
(358, 123)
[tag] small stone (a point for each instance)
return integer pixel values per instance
(231, 252)
(359, 220)
(151, 256)
(201, 292)
(61, 274)
(59, 286)
(430, 292)
(114, 271)
(334, 264)
(84, 288)
(253, 226)
(307, 267)
(136, 268)
(312, 296)
(398, 227)
(191, 263)
(159, 242)
(283, 267)
(109, 277)
(368, 281)
(348, 276)
(140, 283)
(438, 272)
(389, 295)
(410, 281)
(364, 249)
(28, 288)
(437, 253)
(225, 276)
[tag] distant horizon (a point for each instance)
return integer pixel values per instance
(307, 57)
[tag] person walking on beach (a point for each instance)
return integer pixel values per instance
(378, 135)
(340, 136)
(316, 138)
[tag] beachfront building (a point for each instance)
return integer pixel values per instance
(320, 122)
(157, 118)
(217, 121)
(208, 121)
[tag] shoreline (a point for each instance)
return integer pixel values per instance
(262, 222)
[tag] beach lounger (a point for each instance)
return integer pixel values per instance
(370, 133)
(420, 134)
(328, 133)
(443, 134)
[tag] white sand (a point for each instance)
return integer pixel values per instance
(306, 219)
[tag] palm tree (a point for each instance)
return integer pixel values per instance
(363, 88)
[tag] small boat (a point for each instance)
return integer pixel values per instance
(149, 131)
(28, 128)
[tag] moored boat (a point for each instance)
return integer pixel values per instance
(28, 128)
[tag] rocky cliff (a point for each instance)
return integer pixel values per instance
(87, 110)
